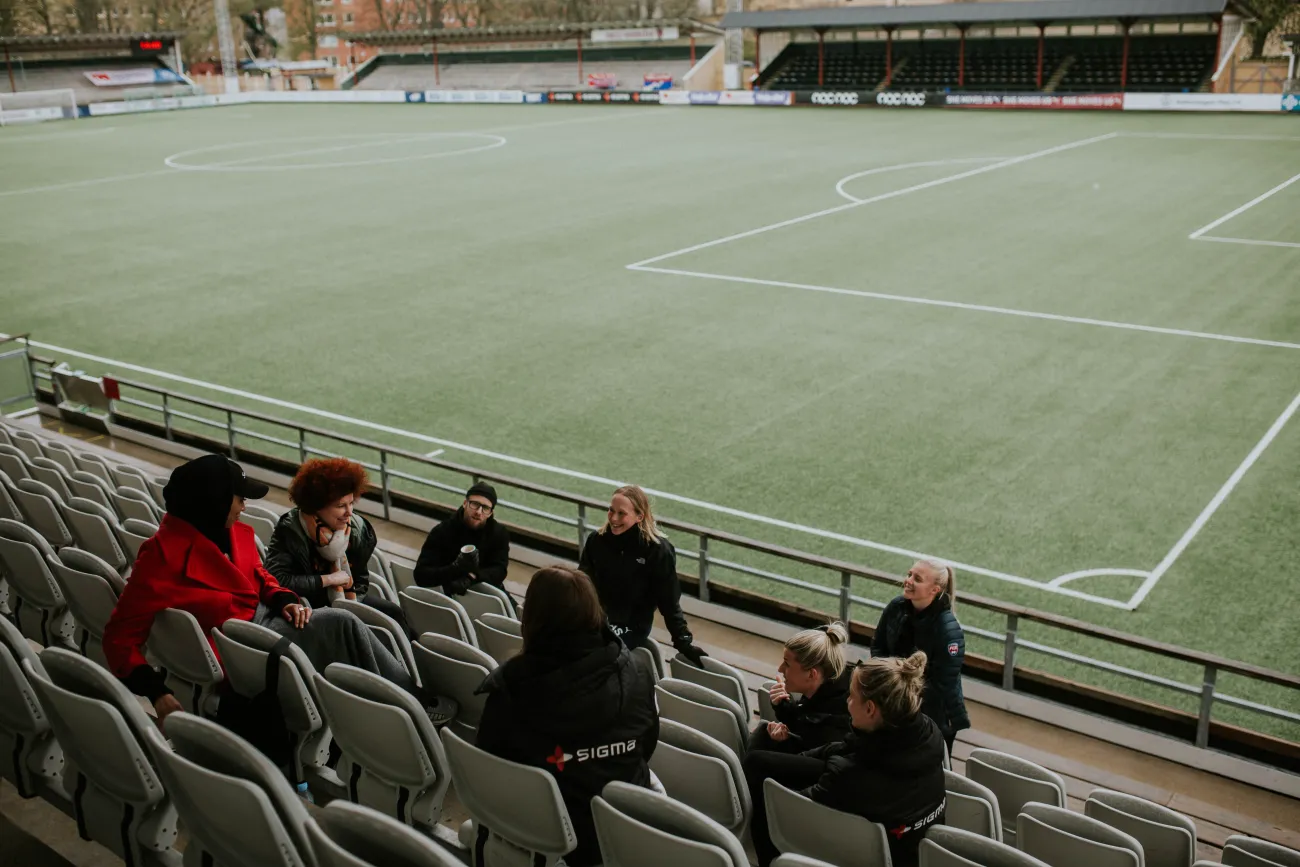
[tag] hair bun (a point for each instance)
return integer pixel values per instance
(836, 632)
(914, 665)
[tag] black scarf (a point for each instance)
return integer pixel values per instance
(200, 493)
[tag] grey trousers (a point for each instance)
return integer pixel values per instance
(334, 635)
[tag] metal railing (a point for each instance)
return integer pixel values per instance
(230, 426)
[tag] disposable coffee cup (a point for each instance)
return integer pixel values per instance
(468, 549)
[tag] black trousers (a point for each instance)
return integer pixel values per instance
(792, 771)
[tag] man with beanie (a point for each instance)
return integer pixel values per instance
(444, 562)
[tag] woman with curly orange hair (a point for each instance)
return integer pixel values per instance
(321, 548)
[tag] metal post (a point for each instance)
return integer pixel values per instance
(1042, 33)
(579, 58)
(845, 601)
(961, 59)
(704, 568)
(1207, 706)
(167, 417)
(1009, 654)
(302, 446)
(889, 56)
(692, 50)
(758, 54)
(383, 485)
(1123, 64)
(821, 58)
(436, 76)
(582, 525)
(230, 431)
(10, 66)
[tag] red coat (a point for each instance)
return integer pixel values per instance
(181, 568)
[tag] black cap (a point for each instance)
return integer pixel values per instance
(245, 487)
(483, 489)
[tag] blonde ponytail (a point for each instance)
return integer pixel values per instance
(946, 577)
(894, 685)
(821, 649)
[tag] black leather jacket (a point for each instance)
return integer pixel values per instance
(292, 559)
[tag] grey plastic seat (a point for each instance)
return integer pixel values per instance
(482, 598)
(516, 812)
(637, 827)
(403, 575)
(944, 846)
(41, 505)
(1168, 837)
(1251, 852)
(349, 835)
(14, 463)
(379, 563)
(655, 654)
(26, 442)
(245, 650)
(8, 505)
(134, 534)
(798, 861)
(645, 657)
(155, 484)
(52, 473)
(94, 528)
(30, 755)
(428, 610)
(392, 758)
(801, 826)
(1062, 838)
(1015, 782)
(702, 773)
(37, 604)
(704, 710)
(237, 806)
(386, 629)
(972, 807)
(134, 503)
(117, 795)
(91, 487)
(379, 584)
(715, 675)
(177, 642)
(129, 476)
(95, 465)
(262, 527)
(499, 636)
(451, 668)
(261, 511)
(61, 454)
(91, 588)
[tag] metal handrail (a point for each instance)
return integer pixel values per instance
(1211, 665)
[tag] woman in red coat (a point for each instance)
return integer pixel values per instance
(204, 561)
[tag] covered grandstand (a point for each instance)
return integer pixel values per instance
(96, 67)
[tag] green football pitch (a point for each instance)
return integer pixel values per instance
(1059, 350)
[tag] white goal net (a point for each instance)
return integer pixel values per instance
(34, 106)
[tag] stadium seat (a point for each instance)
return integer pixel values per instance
(801, 826)
(640, 828)
(26, 442)
(8, 506)
(428, 610)
(972, 807)
(125, 475)
(379, 563)
(14, 463)
(798, 861)
(403, 575)
(35, 600)
(652, 659)
(177, 642)
(515, 811)
(715, 675)
(260, 511)
(90, 587)
(1241, 851)
(702, 773)
(89, 462)
(42, 469)
(91, 487)
(134, 503)
(704, 710)
(60, 454)
(135, 533)
(156, 485)
(349, 835)
(1015, 782)
(245, 651)
(766, 711)
(499, 636)
(30, 755)
(945, 846)
(118, 799)
(1168, 838)
(392, 758)
(1062, 838)
(41, 506)
(237, 806)
(94, 529)
(455, 670)
(382, 586)
(264, 528)
(481, 599)
(388, 630)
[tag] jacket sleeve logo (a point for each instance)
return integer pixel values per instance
(953, 648)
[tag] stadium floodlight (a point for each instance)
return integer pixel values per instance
(34, 106)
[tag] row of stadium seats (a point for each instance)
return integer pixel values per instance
(72, 734)
(1156, 63)
(517, 76)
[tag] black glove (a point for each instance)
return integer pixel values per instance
(458, 586)
(466, 562)
(692, 653)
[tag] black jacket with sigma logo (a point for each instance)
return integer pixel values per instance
(634, 577)
(893, 776)
(581, 707)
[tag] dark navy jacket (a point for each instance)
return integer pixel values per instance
(902, 631)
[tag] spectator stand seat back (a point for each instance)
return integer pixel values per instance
(801, 826)
(26, 442)
(50, 472)
(480, 600)
(499, 636)
(349, 835)
(450, 668)
(799, 861)
(1062, 838)
(30, 756)
(516, 812)
(94, 528)
(714, 675)
(392, 758)
(61, 454)
(702, 773)
(43, 509)
(387, 630)
(37, 605)
(177, 643)
(1168, 838)
(89, 462)
(134, 503)
(945, 846)
(125, 475)
(971, 807)
(428, 610)
(704, 710)
(637, 827)
(91, 487)
(653, 656)
(263, 528)
(8, 506)
(135, 533)
(237, 806)
(1242, 851)
(118, 797)
(403, 574)
(1015, 782)
(91, 588)
(14, 463)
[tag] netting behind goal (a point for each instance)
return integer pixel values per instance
(34, 106)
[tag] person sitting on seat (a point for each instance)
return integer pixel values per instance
(888, 770)
(204, 560)
(574, 702)
(445, 563)
(813, 666)
(321, 548)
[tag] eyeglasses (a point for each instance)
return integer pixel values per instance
(476, 506)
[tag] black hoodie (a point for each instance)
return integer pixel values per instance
(635, 576)
(436, 566)
(893, 776)
(582, 708)
(821, 718)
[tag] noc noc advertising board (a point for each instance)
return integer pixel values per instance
(857, 98)
(603, 97)
(1064, 101)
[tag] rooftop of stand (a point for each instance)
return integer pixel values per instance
(521, 32)
(86, 41)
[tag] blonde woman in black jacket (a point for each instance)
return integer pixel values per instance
(814, 667)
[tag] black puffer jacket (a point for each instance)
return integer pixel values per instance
(819, 719)
(634, 577)
(582, 708)
(893, 776)
(292, 559)
(902, 631)
(442, 547)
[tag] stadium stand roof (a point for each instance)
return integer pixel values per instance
(1005, 12)
(87, 41)
(521, 32)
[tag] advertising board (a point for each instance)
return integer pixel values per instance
(1202, 102)
(1063, 101)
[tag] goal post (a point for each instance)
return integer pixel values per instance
(34, 106)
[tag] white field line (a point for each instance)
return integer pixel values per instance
(839, 187)
(1208, 512)
(981, 308)
(1254, 242)
(857, 203)
(1244, 208)
(588, 477)
(71, 185)
(434, 453)
(1096, 573)
(54, 136)
(1209, 136)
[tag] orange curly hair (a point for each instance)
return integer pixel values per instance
(322, 481)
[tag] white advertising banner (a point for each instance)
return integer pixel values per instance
(31, 115)
(132, 77)
(1202, 102)
(97, 109)
(635, 34)
(474, 96)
